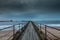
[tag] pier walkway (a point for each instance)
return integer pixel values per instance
(30, 33)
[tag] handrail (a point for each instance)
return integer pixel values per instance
(13, 30)
(19, 33)
(51, 34)
(53, 28)
(46, 31)
(9, 27)
(9, 32)
(49, 37)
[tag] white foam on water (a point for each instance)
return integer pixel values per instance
(53, 25)
(3, 26)
(56, 25)
(16, 26)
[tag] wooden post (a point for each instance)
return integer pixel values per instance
(40, 27)
(13, 31)
(45, 32)
(19, 27)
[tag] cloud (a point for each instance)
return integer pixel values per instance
(29, 9)
(31, 15)
(30, 4)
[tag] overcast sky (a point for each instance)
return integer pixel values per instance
(30, 9)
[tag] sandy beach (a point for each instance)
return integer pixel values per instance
(5, 35)
(54, 32)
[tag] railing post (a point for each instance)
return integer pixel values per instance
(45, 32)
(40, 27)
(19, 26)
(13, 31)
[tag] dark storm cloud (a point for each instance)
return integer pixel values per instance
(28, 4)
(34, 9)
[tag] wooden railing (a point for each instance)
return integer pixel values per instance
(46, 36)
(38, 31)
(10, 32)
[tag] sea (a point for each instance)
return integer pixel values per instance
(7, 24)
